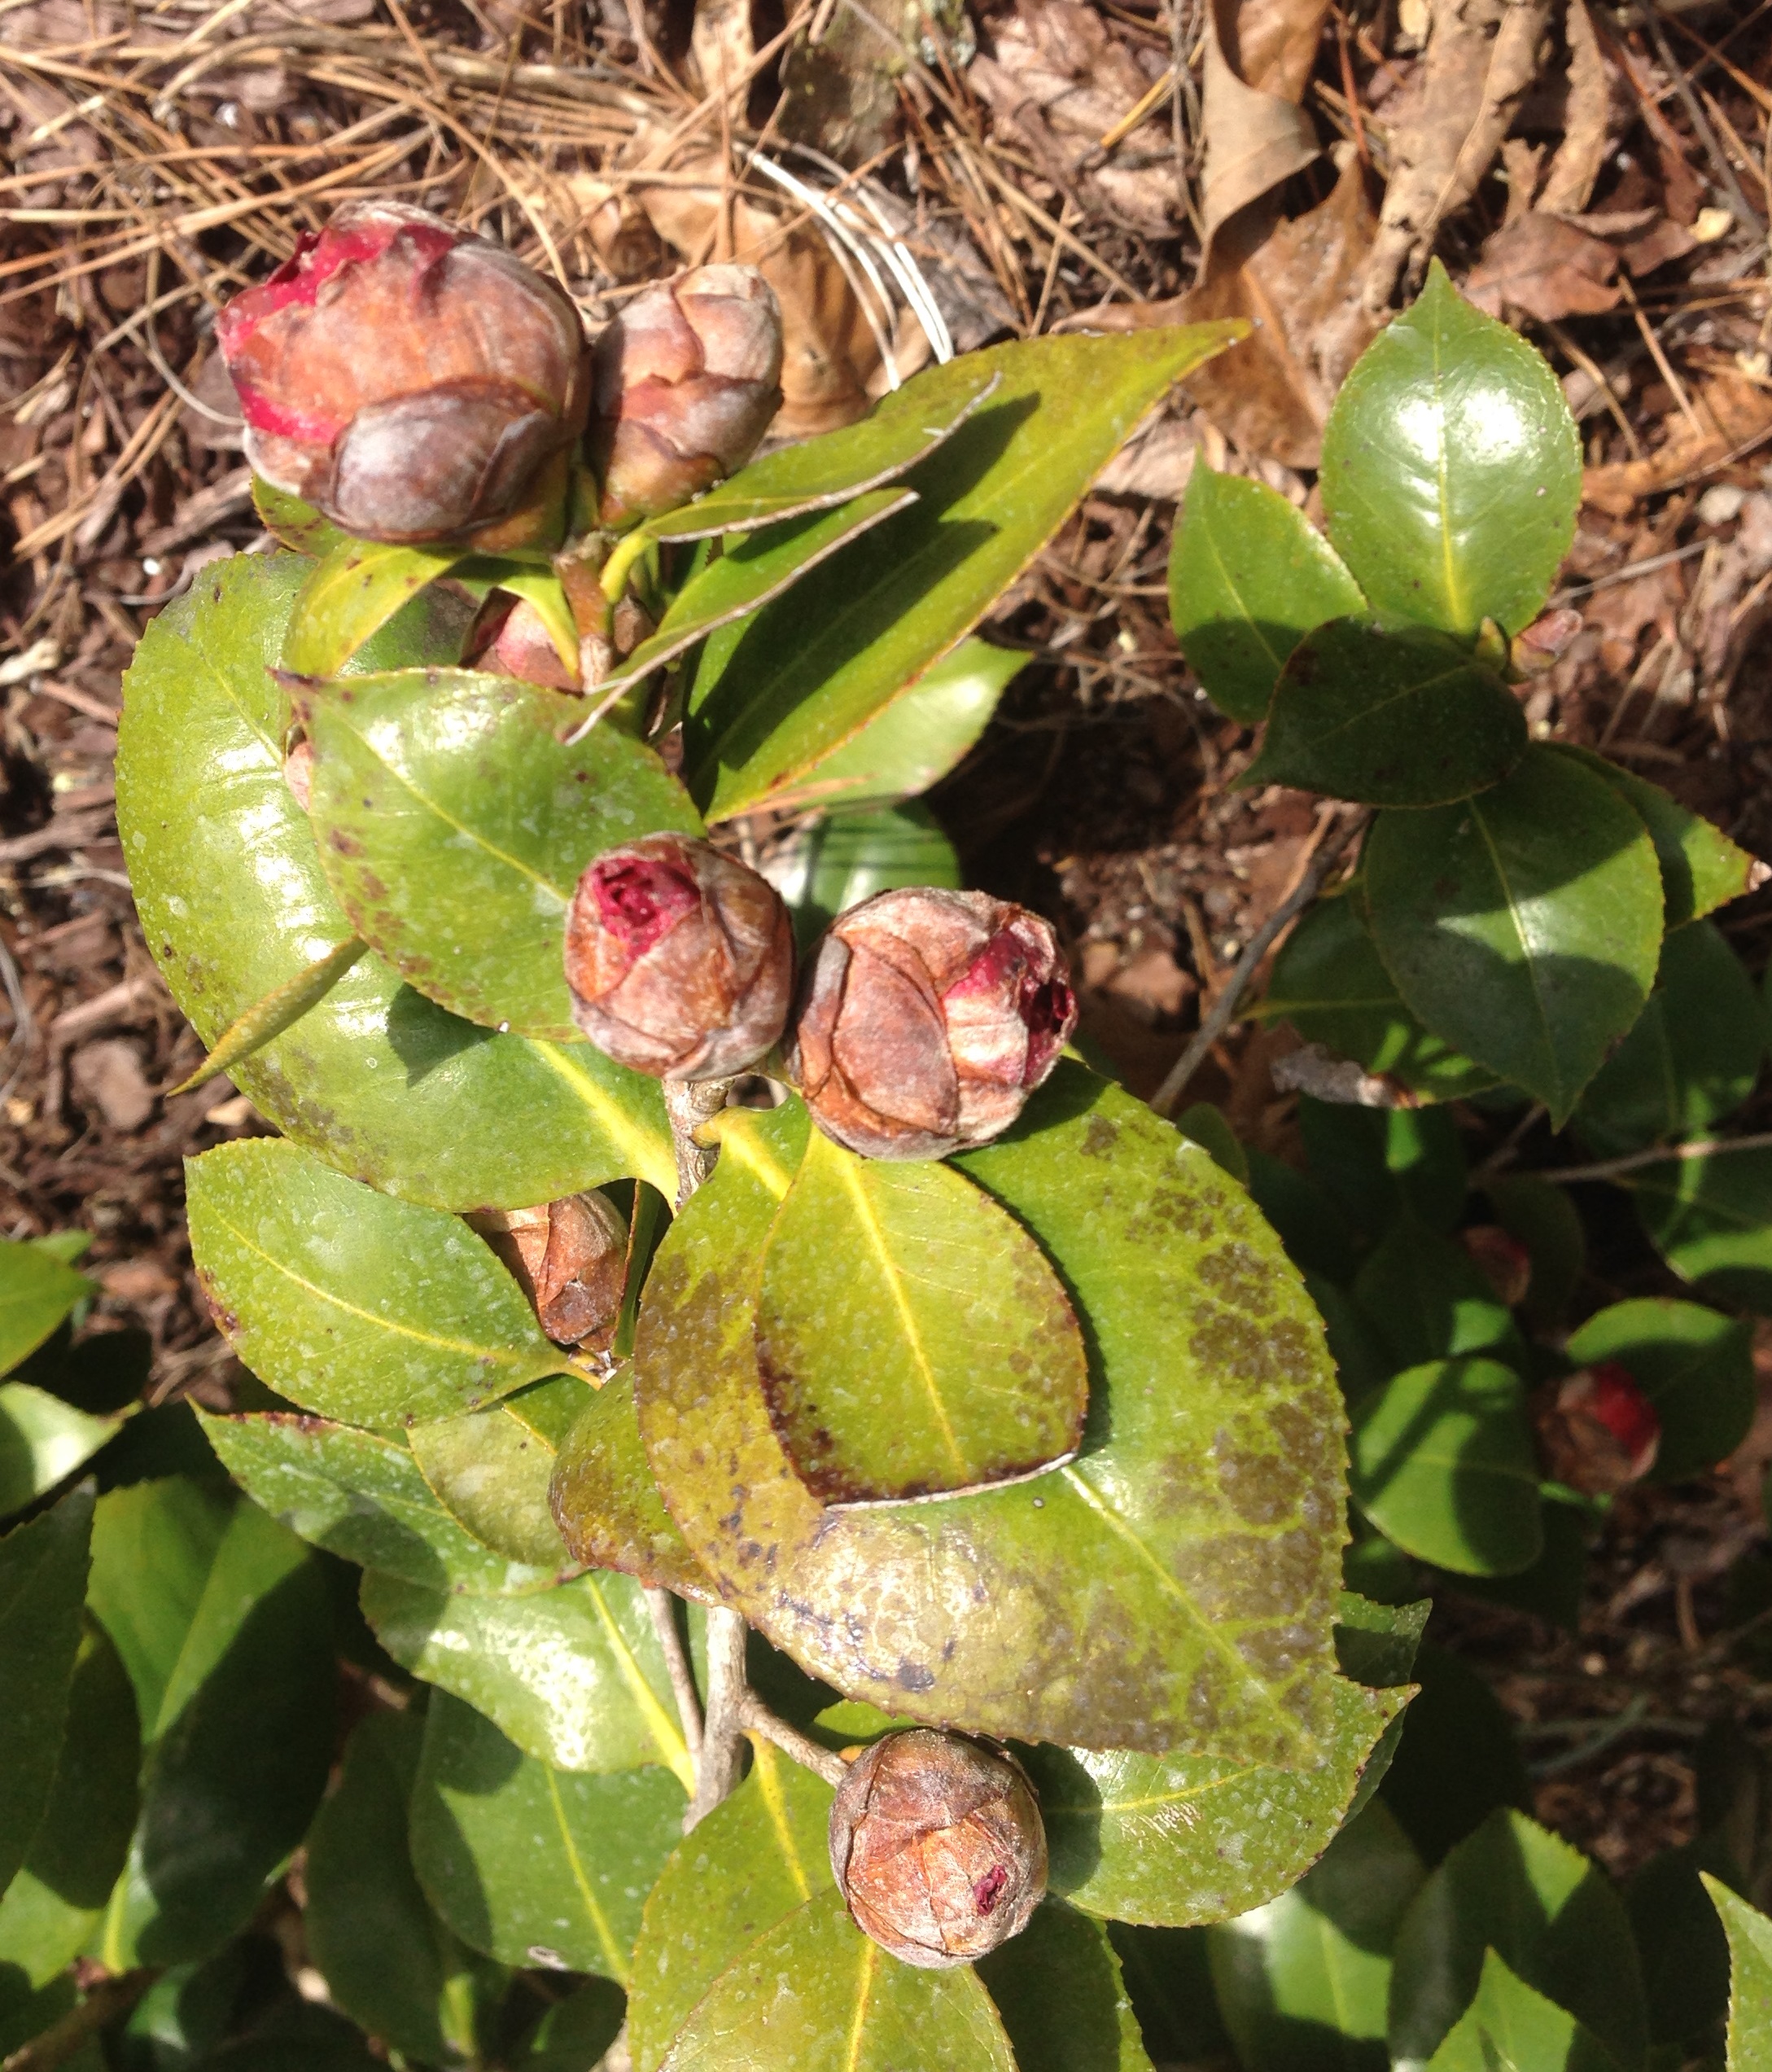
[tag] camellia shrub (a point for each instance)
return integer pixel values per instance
(819, 1525)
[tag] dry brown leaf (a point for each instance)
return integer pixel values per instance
(1588, 121)
(1735, 413)
(1543, 265)
(1258, 58)
(841, 94)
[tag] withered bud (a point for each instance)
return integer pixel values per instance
(409, 378)
(298, 773)
(511, 639)
(937, 1845)
(1598, 1432)
(1505, 1264)
(925, 1019)
(1541, 646)
(685, 381)
(570, 1257)
(681, 960)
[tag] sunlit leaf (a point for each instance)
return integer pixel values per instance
(1750, 1979)
(608, 1506)
(37, 1291)
(1509, 2028)
(846, 857)
(42, 1439)
(354, 591)
(490, 1469)
(1701, 868)
(1059, 1995)
(281, 1006)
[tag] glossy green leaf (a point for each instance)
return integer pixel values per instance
(1458, 1760)
(988, 500)
(292, 523)
(575, 2033)
(377, 1079)
(1401, 716)
(575, 1677)
(1750, 1980)
(1540, 1906)
(361, 1495)
(281, 1007)
(42, 1439)
(1443, 1462)
(1249, 577)
(900, 429)
(1451, 469)
(1303, 1983)
(222, 1619)
(1380, 1162)
(1695, 1366)
(454, 822)
(1691, 1058)
(349, 1303)
(846, 2003)
(945, 1355)
(1509, 2028)
(50, 1908)
(1330, 982)
(1428, 1300)
(37, 1291)
(534, 1865)
(1523, 927)
(1701, 868)
(753, 1861)
(608, 1504)
(491, 1470)
(1174, 1585)
(43, 1580)
(1060, 1996)
(846, 857)
(1173, 1840)
(351, 594)
(1711, 1219)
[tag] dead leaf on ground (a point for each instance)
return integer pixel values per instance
(1258, 58)
(110, 1074)
(1544, 267)
(1589, 118)
(1732, 413)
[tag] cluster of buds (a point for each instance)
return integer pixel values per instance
(1598, 1432)
(570, 1257)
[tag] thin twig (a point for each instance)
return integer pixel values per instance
(716, 1768)
(62, 2041)
(757, 1719)
(662, 1604)
(1660, 1154)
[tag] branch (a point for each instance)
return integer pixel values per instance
(662, 1604)
(1705, 1147)
(729, 1695)
(823, 1763)
(62, 2041)
(689, 1103)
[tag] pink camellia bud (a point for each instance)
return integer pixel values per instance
(1505, 1264)
(937, 1845)
(926, 1020)
(409, 378)
(511, 639)
(1598, 1432)
(571, 1259)
(681, 960)
(686, 379)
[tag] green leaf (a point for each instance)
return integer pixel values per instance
(1523, 927)
(361, 1495)
(1059, 1995)
(43, 1580)
(377, 1079)
(535, 1865)
(42, 1439)
(223, 1621)
(1428, 1300)
(355, 591)
(281, 1007)
(388, 1962)
(754, 1860)
(900, 429)
(1750, 1995)
(850, 2004)
(1696, 1368)
(1541, 1907)
(575, 2033)
(1249, 577)
(846, 857)
(291, 522)
(1510, 2028)
(349, 1303)
(1711, 1219)
(1701, 868)
(1384, 1162)
(1692, 1056)
(1401, 716)
(1540, 1215)
(491, 1470)
(946, 1355)
(1458, 1760)
(1173, 1840)
(1681, 1943)
(1106, 1608)
(988, 500)
(1303, 1983)
(454, 822)
(575, 1677)
(1330, 982)
(37, 1291)
(1205, 1124)
(1451, 469)
(1443, 1462)
(608, 1506)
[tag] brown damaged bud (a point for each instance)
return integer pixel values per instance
(926, 1018)
(1505, 1263)
(1598, 1432)
(681, 960)
(570, 1257)
(937, 1845)
(685, 381)
(407, 377)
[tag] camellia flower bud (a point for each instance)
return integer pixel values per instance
(570, 1258)
(1598, 1432)
(937, 1845)
(681, 960)
(686, 379)
(407, 377)
(926, 1020)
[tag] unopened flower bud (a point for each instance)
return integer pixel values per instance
(681, 960)
(571, 1259)
(409, 378)
(510, 638)
(937, 1845)
(686, 379)
(926, 1018)
(1598, 1432)
(1505, 1264)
